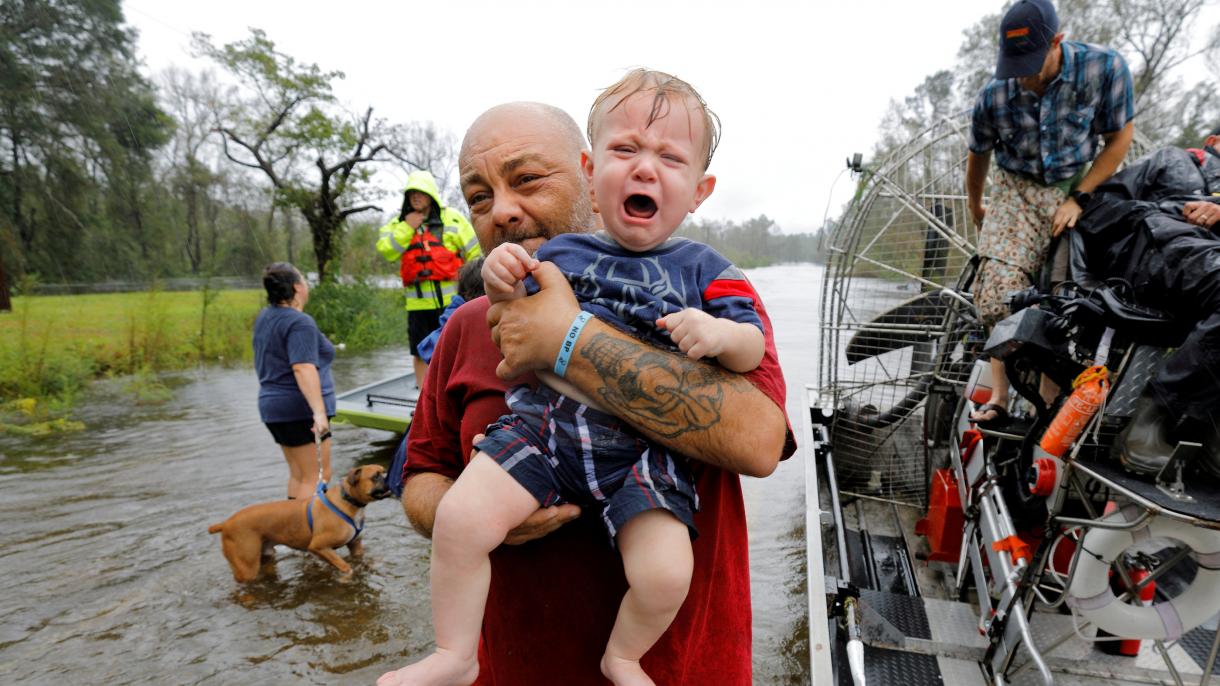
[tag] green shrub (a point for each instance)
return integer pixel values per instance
(28, 417)
(358, 314)
(52, 346)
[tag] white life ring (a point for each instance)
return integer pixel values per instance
(1090, 594)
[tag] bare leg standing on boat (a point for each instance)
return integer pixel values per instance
(421, 370)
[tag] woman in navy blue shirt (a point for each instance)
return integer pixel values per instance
(296, 396)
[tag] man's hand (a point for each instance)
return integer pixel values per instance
(504, 271)
(695, 332)
(978, 212)
(530, 330)
(414, 219)
(1202, 213)
(1066, 216)
(542, 522)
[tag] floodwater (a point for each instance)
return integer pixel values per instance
(110, 577)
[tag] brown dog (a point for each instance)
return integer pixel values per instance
(303, 524)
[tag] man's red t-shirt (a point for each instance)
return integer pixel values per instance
(553, 600)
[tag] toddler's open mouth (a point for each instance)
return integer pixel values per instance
(640, 206)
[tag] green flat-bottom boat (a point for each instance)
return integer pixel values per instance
(388, 404)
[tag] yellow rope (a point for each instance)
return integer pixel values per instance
(1094, 373)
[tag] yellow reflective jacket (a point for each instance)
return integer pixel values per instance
(457, 236)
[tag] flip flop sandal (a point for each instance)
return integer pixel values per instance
(1000, 419)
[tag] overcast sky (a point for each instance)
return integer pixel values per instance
(798, 86)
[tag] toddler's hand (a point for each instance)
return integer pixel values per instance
(504, 269)
(695, 332)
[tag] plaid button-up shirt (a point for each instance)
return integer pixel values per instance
(1052, 138)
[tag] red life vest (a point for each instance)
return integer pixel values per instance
(427, 259)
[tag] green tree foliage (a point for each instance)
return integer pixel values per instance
(756, 242)
(79, 125)
(192, 99)
(107, 177)
(287, 126)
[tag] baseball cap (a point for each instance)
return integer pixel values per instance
(1025, 37)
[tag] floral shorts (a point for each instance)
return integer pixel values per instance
(1014, 241)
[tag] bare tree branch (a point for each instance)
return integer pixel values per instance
(355, 210)
(278, 120)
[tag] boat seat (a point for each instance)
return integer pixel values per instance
(1205, 506)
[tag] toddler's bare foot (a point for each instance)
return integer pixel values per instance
(624, 672)
(441, 668)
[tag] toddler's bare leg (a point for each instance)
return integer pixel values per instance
(481, 507)
(658, 562)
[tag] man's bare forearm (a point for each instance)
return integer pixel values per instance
(976, 176)
(1108, 159)
(421, 495)
(696, 408)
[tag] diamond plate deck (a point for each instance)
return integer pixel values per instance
(950, 653)
(955, 639)
(1144, 363)
(1198, 643)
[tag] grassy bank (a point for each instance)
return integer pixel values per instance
(52, 346)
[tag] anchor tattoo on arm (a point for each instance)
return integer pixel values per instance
(663, 394)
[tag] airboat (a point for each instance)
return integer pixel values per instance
(941, 552)
(387, 404)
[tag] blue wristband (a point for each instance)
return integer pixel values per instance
(569, 342)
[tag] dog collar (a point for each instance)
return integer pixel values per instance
(320, 494)
(348, 497)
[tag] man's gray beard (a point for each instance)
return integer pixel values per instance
(581, 219)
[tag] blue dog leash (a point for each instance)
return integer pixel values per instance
(320, 494)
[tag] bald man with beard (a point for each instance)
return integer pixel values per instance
(556, 582)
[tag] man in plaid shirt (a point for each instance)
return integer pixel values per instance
(1042, 114)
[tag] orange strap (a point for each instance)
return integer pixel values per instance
(1015, 546)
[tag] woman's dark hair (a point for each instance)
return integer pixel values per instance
(434, 210)
(279, 279)
(1215, 132)
(470, 280)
